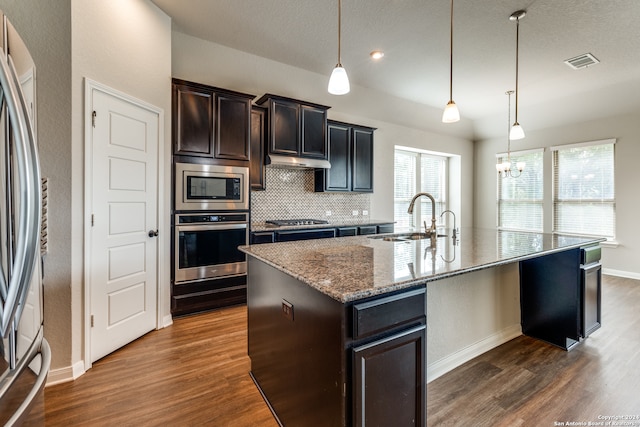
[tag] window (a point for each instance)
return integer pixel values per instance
(414, 173)
(583, 189)
(520, 200)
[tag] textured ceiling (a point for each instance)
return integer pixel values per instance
(414, 34)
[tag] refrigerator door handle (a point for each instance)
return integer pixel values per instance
(28, 222)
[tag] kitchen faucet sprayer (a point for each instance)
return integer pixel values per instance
(455, 230)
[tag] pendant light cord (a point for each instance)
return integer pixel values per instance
(339, 32)
(509, 92)
(517, 55)
(451, 56)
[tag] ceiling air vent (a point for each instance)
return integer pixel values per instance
(582, 61)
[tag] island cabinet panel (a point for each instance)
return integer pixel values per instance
(296, 348)
(560, 296)
(321, 362)
(210, 122)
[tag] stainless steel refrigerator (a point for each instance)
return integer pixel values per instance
(26, 357)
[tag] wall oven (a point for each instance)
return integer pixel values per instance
(206, 245)
(204, 187)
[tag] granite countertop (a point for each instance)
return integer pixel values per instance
(352, 268)
(262, 226)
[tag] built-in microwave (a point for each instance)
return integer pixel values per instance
(201, 187)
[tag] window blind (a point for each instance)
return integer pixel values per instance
(584, 189)
(520, 200)
(414, 173)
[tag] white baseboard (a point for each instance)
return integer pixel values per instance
(620, 273)
(167, 321)
(462, 356)
(66, 374)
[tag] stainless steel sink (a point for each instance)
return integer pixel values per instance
(404, 237)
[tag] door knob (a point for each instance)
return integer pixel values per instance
(153, 233)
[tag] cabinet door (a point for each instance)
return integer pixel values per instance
(313, 125)
(591, 298)
(362, 160)
(338, 178)
(284, 128)
(232, 127)
(192, 119)
(258, 134)
(390, 397)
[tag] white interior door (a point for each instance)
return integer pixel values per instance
(123, 254)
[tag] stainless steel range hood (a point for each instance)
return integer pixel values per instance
(291, 162)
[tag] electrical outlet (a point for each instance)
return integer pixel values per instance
(365, 213)
(354, 213)
(287, 309)
(328, 213)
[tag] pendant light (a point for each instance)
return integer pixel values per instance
(504, 168)
(516, 130)
(451, 113)
(339, 82)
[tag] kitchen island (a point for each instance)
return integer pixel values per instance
(337, 327)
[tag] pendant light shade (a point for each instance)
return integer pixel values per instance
(451, 113)
(339, 82)
(504, 168)
(516, 130)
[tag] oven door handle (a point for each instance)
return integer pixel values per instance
(210, 227)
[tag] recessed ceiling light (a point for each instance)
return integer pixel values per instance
(376, 54)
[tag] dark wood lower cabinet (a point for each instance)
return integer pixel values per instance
(389, 380)
(320, 362)
(560, 296)
(188, 298)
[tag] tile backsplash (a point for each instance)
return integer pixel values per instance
(289, 194)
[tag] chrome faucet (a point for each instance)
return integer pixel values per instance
(455, 230)
(431, 231)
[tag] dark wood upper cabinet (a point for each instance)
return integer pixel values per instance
(350, 152)
(338, 178)
(258, 139)
(210, 122)
(297, 128)
(192, 119)
(314, 132)
(362, 159)
(284, 135)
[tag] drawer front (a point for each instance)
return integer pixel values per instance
(258, 237)
(347, 231)
(379, 315)
(590, 254)
(367, 229)
(385, 228)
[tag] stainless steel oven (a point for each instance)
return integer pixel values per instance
(203, 187)
(206, 245)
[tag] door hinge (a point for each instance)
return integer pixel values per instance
(92, 320)
(93, 219)
(93, 118)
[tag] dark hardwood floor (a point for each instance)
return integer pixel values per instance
(196, 373)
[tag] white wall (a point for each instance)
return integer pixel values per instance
(398, 122)
(621, 260)
(124, 44)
